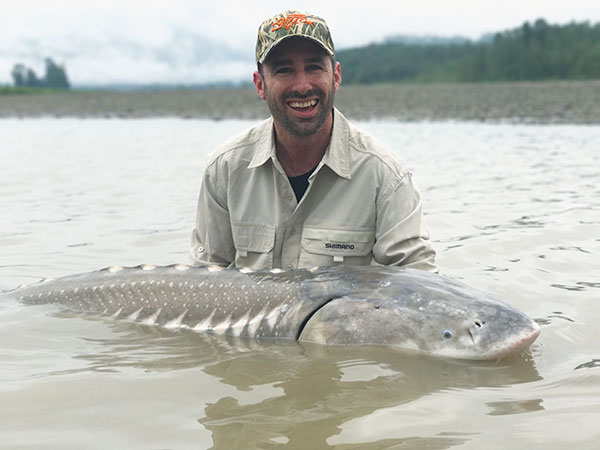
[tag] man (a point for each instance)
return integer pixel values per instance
(306, 188)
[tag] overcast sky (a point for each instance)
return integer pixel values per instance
(196, 41)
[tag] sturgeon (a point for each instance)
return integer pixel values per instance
(340, 305)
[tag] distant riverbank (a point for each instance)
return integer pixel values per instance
(576, 102)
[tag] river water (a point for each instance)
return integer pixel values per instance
(512, 209)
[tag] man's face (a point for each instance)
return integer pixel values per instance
(299, 85)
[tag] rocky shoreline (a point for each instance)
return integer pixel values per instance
(573, 102)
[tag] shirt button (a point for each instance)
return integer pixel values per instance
(199, 250)
(290, 197)
(290, 266)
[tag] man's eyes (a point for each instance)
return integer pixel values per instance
(309, 68)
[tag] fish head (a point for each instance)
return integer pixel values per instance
(426, 314)
(473, 329)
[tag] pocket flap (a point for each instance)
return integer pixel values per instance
(330, 242)
(253, 237)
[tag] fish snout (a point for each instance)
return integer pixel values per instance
(530, 335)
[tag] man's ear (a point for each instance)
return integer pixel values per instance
(259, 82)
(337, 76)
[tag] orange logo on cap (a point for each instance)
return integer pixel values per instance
(290, 20)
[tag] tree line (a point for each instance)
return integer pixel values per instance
(54, 78)
(532, 52)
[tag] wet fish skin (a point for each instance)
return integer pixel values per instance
(339, 305)
(426, 313)
(252, 305)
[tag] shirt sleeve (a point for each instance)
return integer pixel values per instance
(401, 236)
(212, 241)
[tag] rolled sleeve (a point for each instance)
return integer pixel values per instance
(402, 237)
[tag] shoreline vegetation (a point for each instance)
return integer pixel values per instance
(573, 102)
(532, 52)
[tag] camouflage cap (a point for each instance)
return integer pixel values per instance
(289, 24)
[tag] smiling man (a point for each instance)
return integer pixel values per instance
(306, 188)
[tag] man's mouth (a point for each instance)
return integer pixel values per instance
(305, 105)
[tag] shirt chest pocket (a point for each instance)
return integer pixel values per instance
(253, 245)
(325, 247)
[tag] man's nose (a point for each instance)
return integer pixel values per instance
(302, 82)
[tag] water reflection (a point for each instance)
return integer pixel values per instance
(515, 407)
(318, 397)
(302, 395)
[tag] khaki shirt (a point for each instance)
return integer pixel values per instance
(361, 207)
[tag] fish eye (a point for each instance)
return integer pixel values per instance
(447, 334)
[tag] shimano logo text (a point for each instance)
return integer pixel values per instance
(330, 245)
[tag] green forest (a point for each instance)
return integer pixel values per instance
(532, 52)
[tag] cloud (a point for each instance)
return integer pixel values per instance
(126, 42)
(174, 55)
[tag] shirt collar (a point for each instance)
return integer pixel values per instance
(335, 157)
(265, 146)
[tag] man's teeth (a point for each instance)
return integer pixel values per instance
(306, 104)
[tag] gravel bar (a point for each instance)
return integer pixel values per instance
(573, 102)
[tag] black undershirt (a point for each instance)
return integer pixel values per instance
(300, 183)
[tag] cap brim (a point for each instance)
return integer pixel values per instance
(282, 38)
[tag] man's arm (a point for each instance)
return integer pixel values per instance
(212, 241)
(401, 236)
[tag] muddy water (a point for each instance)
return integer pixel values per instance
(513, 209)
